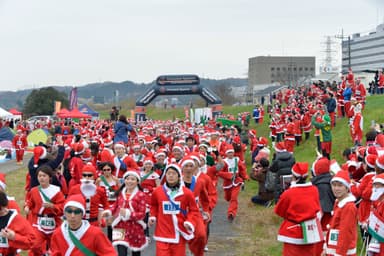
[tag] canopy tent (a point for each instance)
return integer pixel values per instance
(5, 114)
(75, 113)
(17, 114)
(85, 109)
(62, 113)
(38, 135)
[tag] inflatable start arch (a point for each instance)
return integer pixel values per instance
(177, 85)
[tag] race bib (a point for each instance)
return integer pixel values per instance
(47, 223)
(169, 208)
(3, 242)
(19, 143)
(312, 232)
(118, 234)
(333, 237)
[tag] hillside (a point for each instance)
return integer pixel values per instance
(127, 89)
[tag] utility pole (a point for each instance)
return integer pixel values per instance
(342, 37)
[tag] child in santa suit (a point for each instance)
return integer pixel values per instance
(342, 233)
(122, 161)
(357, 125)
(44, 204)
(76, 236)
(95, 197)
(300, 207)
(376, 218)
(19, 143)
(16, 232)
(174, 210)
(234, 173)
(129, 210)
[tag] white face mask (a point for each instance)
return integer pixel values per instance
(376, 193)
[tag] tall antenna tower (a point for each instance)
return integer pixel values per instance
(329, 60)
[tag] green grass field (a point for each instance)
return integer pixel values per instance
(257, 225)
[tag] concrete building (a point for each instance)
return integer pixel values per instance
(285, 70)
(363, 52)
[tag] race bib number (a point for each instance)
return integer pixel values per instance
(312, 232)
(333, 237)
(47, 223)
(118, 234)
(3, 242)
(19, 143)
(169, 208)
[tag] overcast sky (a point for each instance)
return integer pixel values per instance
(74, 42)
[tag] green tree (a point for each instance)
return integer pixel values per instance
(42, 101)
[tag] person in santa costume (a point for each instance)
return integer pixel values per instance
(16, 232)
(12, 204)
(137, 156)
(44, 204)
(76, 236)
(95, 197)
(234, 173)
(122, 161)
(356, 125)
(76, 163)
(110, 182)
(342, 232)
(19, 143)
(174, 210)
(129, 211)
(299, 205)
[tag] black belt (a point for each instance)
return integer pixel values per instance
(92, 219)
(46, 215)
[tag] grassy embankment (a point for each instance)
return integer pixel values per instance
(258, 226)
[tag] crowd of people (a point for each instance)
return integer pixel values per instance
(114, 179)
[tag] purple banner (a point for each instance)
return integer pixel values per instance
(73, 98)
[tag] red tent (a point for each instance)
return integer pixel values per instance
(62, 113)
(15, 112)
(75, 113)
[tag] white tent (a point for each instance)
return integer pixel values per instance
(5, 114)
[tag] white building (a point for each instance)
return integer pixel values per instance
(364, 52)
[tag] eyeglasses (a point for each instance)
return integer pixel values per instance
(89, 175)
(76, 211)
(107, 169)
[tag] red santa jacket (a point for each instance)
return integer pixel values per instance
(234, 173)
(171, 216)
(342, 233)
(297, 204)
(39, 214)
(148, 184)
(210, 188)
(24, 238)
(75, 167)
(95, 199)
(363, 190)
(19, 142)
(91, 237)
(106, 155)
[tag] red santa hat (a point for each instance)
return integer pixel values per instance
(300, 169)
(178, 146)
(361, 151)
(148, 160)
(380, 162)
(379, 178)
(108, 142)
(39, 152)
(237, 139)
(370, 160)
(175, 167)
(136, 146)
(78, 148)
(132, 173)
(280, 147)
(119, 144)
(86, 156)
(262, 142)
(229, 149)
(77, 201)
(371, 150)
(343, 178)
(160, 152)
(187, 160)
(89, 168)
(252, 132)
(321, 166)
(3, 184)
(195, 156)
(204, 145)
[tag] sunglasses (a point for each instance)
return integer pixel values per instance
(76, 211)
(107, 169)
(89, 175)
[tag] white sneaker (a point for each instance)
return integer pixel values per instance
(206, 248)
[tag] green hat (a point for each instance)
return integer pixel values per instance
(327, 119)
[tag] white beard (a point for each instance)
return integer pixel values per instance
(88, 189)
(376, 193)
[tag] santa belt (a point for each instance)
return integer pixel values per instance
(46, 215)
(92, 219)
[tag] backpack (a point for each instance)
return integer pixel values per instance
(270, 181)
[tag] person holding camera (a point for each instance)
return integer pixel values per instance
(259, 172)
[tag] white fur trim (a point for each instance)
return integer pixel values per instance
(348, 199)
(378, 164)
(3, 185)
(342, 181)
(107, 211)
(188, 161)
(127, 215)
(152, 218)
(189, 224)
(126, 244)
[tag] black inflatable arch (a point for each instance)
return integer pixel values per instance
(177, 85)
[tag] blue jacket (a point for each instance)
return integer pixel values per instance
(347, 94)
(121, 132)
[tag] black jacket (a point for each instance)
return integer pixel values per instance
(323, 184)
(282, 165)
